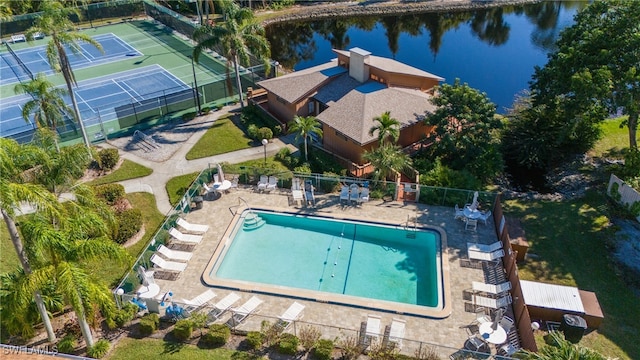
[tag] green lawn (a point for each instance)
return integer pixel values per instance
(614, 140)
(8, 259)
(127, 170)
(223, 137)
(128, 348)
(178, 186)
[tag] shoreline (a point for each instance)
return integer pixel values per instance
(372, 8)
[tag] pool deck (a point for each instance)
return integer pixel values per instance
(334, 320)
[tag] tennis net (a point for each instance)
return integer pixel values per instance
(22, 65)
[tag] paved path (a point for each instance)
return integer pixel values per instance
(178, 165)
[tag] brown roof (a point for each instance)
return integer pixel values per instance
(292, 87)
(393, 66)
(353, 113)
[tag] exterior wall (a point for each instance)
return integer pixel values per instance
(283, 112)
(414, 133)
(404, 80)
(342, 145)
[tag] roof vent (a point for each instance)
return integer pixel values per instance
(358, 64)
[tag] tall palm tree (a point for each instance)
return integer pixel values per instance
(54, 21)
(239, 36)
(46, 104)
(387, 159)
(16, 161)
(303, 127)
(386, 128)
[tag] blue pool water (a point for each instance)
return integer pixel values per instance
(359, 259)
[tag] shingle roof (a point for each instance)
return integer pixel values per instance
(393, 66)
(353, 113)
(294, 86)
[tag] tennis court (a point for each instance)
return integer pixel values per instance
(35, 58)
(107, 98)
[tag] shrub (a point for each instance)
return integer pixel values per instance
(349, 348)
(129, 223)
(219, 107)
(309, 336)
(68, 344)
(288, 344)
(183, 329)
(126, 314)
(108, 158)
(218, 335)
(99, 349)
(252, 131)
(149, 324)
(323, 349)
(277, 130)
(254, 339)
(265, 133)
(109, 192)
(205, 109)
(189, 116)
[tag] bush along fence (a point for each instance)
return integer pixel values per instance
(624, 195)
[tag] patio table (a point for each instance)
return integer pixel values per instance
(497, 336)
(471, 214)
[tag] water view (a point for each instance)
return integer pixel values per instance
(493, 50)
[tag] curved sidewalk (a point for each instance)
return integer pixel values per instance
(177, 165)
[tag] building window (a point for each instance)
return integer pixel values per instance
(311, 107)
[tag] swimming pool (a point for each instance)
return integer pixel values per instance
(347, 261)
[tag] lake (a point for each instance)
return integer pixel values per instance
(493, 50)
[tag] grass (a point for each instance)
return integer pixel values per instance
(9, 260)
(224, 136)
(614, 140)
(128, 348)
(177, 186)
(127, 170)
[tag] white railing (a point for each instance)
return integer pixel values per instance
(623, 194)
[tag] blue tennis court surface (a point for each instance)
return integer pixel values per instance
(35, 58)
(99, 98)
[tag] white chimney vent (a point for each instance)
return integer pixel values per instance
(358, 67)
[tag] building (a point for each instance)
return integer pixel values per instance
(347, 93)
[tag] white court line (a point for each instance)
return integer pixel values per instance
(85, 102)
(125, 90)
(130, 88)
(172, 78)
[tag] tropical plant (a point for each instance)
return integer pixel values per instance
(238, 36)
(55, 21)
(560, 349)
(17, 162)
(303, 127)
(46, 105)
(386, 127)
(387, 160)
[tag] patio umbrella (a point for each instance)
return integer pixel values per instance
(474, 203)
(220, 174)
(497, 318)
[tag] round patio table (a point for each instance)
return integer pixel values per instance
(471, 214)
(497, 336)
(223, 186)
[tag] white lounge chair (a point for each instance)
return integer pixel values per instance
(174, 254)
(373, 326)
(354, 193)
(309, 195)
(490, 302)
(222, 306)
(344, 194)
(167, 265)
(18, 38)
(241, 313)
(208, 190)
(200, 300)
(364, 195)
(490, 288)
(293, 313)
(272, 184)
(192, 227)
(188, 238)
(484, 247)
(264, 181)
(296, 190)
(396, 332)
(485, 216)
(485, 256)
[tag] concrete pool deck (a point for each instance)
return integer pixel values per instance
(331, 319)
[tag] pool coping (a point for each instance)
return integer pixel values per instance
(325, 297)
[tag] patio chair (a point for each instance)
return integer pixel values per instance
(174, 254)
(482, 317)
(241, 313)
(474, 343)
(490, 302)
(484, 247)
(364, 195)
(194, 228)
(508, 349)
(484, 256)
(176, 234)
(485, 216)
(471, 224)
(200, 300)
(373, 326)
(234, 182)
(396, 332)
(168, 265)
(344, 194)
(309, 195)
(293, 313)
(491, 288)
(221, 307)
(272, 183)
(354, 193)
(264, 181)
(459, 213)
(296, 190)
(208, 190)
(506, 323)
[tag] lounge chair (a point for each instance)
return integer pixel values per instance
(490, 302)
(485, 216)
(364, 195)
(344, 194)
(200, 300)
(354, 193)
(174, 254)
(167, 265)
(222, 306)
(482, 317)
(309, 196)
(459, 213)
(272, 184)
(264, 181)
(373, 326)
(490, 288)
(396, 332)
(293, 313)
(485, 256)
(471, 224)
(195, 228)
(296, 190)
(193, 239)
(241, 313)
(483, 247)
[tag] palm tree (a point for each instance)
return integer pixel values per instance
(387, 127)
(46, 104)
(303, 127)
(560, 349)
(54, 21)
(16, 161)
(239, 35)
(387, 159)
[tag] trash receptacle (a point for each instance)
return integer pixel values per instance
(198, 200)
(573, 327)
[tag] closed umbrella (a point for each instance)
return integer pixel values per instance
(474, 203)
(497, 319)
(220, 174)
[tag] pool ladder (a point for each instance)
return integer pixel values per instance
(411, 232)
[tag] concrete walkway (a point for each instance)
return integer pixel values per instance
(177, 164)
